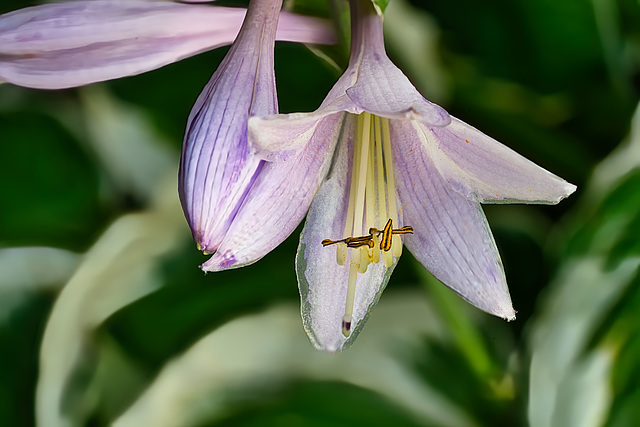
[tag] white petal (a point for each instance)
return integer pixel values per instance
(323, 283)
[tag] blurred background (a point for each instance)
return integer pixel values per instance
(106, 318)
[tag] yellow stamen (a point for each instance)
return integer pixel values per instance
(372, 200)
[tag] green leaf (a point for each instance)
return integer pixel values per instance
(381, 4)
(50, 185)
(317, 404)
(584, 341)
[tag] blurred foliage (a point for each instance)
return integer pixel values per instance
(143, 337)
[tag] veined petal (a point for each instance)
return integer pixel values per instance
(62, 45)
(278, 200)
(217, 168)
(281, 137)
(491, 171)
(323, 283)
(451, 237)
(381, 88)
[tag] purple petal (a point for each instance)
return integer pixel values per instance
(283, 136)
(381, 88)
(279, 199)
(217, 169)
(451, 237)
(304, 29)
(323, 283)
(279, 137)
(493, 172)
(71, 44)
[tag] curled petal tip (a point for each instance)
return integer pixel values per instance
(220, 262)
(434, 116)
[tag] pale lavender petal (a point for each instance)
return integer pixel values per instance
(281, 137)
(490, 170)
(323, 283)
(279, 199)
(451, 237)
(71, 44)
(381, 88)
(304, 29)
(217, 168)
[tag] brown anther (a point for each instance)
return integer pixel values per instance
(385, 244)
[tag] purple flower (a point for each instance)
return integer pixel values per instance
(71, 44)
(376, 166)
(379, 166)
(217, 169)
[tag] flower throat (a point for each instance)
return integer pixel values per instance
(372, 203)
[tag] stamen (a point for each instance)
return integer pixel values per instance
(360, 195)
(403, 230)
(372, 198)
(385, 243)
(349, 240)
(391, 183)
(382, 200)
(360, 244)
(352, 242)
(341, 252)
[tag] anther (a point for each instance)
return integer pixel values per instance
(385, 244)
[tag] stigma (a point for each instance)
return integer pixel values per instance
(372, 201)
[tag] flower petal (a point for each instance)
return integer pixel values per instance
(383, 89)
(492, 171)
(323, 283)
(278, 137)
(380, 87)
(281, 137)
(62, 45)
(304, 29)
(451, 237)
(217, 168)
(279, 198)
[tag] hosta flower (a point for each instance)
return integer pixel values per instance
(217, 169)
(71, 44)
(383, 168)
